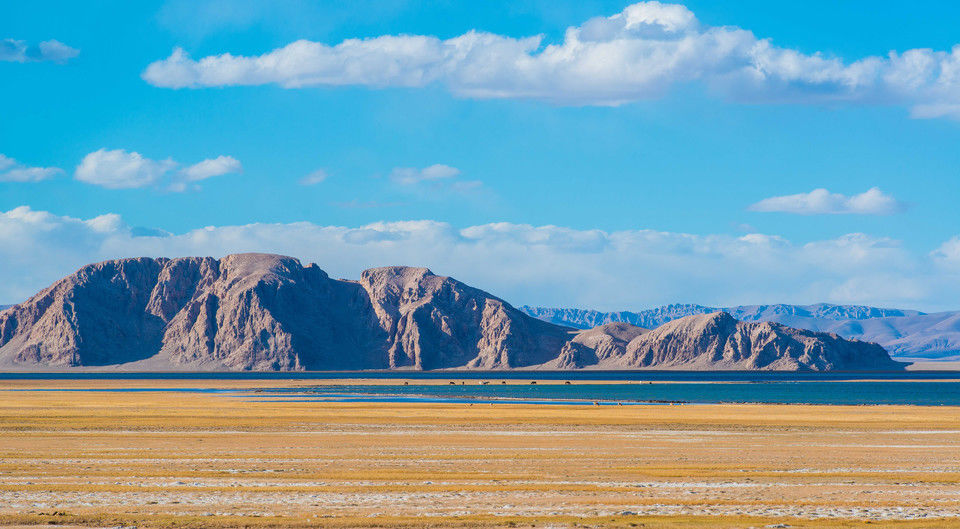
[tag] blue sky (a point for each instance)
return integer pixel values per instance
(720, 163)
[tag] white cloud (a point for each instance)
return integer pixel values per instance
(435, 181)
(12, 50)
(411, 175)
(823, 202)
(548, 265)
(639, 53)
(121, 169)
(314, 178)
(218, 166)
(948, 254)
(13, 171)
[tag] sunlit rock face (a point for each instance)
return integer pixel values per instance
(269, 312)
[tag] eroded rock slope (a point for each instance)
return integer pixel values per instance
(269, 312)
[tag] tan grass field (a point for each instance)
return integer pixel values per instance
(166, 459)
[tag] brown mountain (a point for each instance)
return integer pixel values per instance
(597, 347)
(269, 312)
(718, 341)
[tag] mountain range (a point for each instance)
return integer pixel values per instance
(906, 334)
(270, 312)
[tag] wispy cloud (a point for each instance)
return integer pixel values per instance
(14, 171)
(436, 180)
(314, 178)
(218, 166)
(367, 204)
(640, 53)
(413, 176)
(121, 169)
(823, 202)
(12, 50)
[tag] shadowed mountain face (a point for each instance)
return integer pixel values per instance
(269, 312)
(904, 333)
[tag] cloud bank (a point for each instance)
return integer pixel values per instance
(823, 202)
(121, 169)
(548, 265)
(640, 53)
(14, 171)
(50, 50)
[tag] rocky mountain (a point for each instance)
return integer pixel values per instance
(587, 319)
(269, 312)
(598, 346)
(905, 334)
(720, 341)
(717, 341)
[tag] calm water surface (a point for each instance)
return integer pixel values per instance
(913, 388)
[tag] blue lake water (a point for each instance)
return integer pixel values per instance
(911, 388)
(921, 393)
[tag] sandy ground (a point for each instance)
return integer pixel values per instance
(156, 459)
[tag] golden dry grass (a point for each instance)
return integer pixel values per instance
(163, 459)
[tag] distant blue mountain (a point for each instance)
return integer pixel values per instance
(906, 334)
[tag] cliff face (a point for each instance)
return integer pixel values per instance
(719, 341)
(434, 322)
(269, 312)
(97, 316)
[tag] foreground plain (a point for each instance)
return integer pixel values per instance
(157, 458)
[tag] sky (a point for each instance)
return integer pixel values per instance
(589, 154)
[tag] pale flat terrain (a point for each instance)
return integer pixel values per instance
(161, 459)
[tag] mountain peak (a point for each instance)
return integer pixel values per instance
(257, 311)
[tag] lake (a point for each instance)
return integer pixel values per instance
(647, 387)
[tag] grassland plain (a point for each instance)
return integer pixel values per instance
(157, 458)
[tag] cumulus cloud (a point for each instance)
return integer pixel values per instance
(550, 265)
(314, 178)
(14, 171)
(12, 50)
(121, 169)
(637, 54)
(822, 202)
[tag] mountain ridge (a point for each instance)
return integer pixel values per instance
(906, 334)
(270, 312)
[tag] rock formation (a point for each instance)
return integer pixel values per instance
(906, 334)
(718, 341)
(601, 345)
(269, 312)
